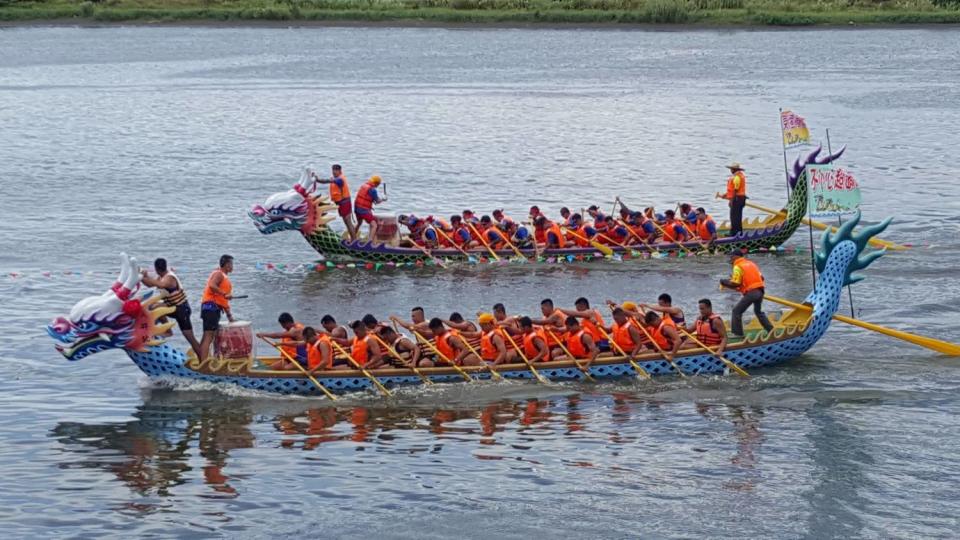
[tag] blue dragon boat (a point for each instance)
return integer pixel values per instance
(127, 318)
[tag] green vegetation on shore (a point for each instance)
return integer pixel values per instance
(698, 12)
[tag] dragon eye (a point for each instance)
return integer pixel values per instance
(275, 212)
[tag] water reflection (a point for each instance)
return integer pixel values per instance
(180, 437)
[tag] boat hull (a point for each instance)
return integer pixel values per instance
(165, 362)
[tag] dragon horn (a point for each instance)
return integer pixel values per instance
(133, 278)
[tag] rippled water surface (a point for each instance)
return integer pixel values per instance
(156, 140)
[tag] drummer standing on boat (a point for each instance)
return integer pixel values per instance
(176, 298)
(216, 299)
(747, 279)
(340, 195)
(736, 196)
(367, 196)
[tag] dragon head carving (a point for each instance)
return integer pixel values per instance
(297, 209)
(121, 318)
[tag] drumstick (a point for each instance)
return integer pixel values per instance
(240, 297)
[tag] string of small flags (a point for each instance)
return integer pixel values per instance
(326, 266)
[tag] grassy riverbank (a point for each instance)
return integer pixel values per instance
(690, 12)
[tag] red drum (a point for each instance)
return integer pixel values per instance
(388, 230)
(234, 340)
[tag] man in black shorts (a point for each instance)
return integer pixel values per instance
(176, 298)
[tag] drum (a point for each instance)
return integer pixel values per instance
(234, 340)
(388, 231)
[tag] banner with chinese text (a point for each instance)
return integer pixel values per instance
(832, 192)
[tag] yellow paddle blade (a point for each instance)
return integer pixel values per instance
(602, 248)
(937, 345)
(875, 242)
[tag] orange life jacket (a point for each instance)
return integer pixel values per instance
(494, 240)
(733, 191)
(670, 233)
(621, 336)
(540, 235)
(314, 355)
(555, 229)
(750, 278)
(591, 327)
(364, 199)
(657, 333)
(217, 298)
(530, 348)
(287, 343)
(705, 331)
(579, 236)
(488, 349)
(702, 227)
(338, 193)
(442, 343)
(360, 350)
(575, 344)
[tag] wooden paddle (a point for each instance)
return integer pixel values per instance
(505, 236)
(663, 232)
(740, 371)
(586, 372)
(663, 353)
(366, 373)
(937, 345)
(454, 244)
(483, 362)
(635, 235)
(599, 247)
(482, 240)
(636, 366)
(875, 242)
(441, 356)
(305, 372)
(428, 253)
(525, 359)
(393, 352)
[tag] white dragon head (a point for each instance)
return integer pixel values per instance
(121, 318)
(297, 209)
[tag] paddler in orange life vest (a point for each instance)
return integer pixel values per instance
(673, 230)
(491, 237)
(736, 196)
(340, 195)
(451, 346)
(176, 298)
(626, 334)
(578, 342)
(708, 329)
(580, 233)
(290, 340)
(216, 299)
(507, 323)
(664, 332)
(493, 345)
(592, 321)
(461, 235)
(364, 349)
(331, 328)
(705, 227)
(616, 234)
(549, 232)
(502, 221)
(552, 321)
(747, 279)
(471, 222)
(367, 196)
(319, 351)
(533, 341)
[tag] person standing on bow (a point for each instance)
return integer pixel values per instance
(176, 298)
(736, 196)
(747, 279)
(216, 299)
(367, 196)
(340, 195)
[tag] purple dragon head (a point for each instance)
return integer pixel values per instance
(288, 210)
(813, 157)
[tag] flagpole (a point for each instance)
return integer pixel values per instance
(783, 144)
(786, 173)
(840, 221)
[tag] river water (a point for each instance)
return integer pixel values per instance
(155, 141)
